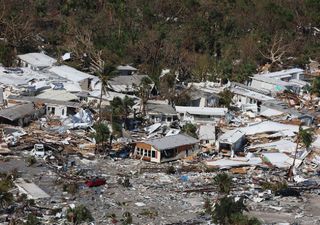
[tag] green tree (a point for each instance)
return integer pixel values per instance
(225, 98)
(315, 89)
(79, 214)
(224, 183)
(228, 211)
(32, 220)
(107, 72)
(226, 208)
(305, 137)
(144, 90)
(6, 198)
(101, 135)
(190, 129)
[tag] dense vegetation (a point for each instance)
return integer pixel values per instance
(202, 39)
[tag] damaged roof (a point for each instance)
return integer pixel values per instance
(125, 83)
(70, 73)
(18, 111)
(173, 141)
(207, 132)
(154, 108)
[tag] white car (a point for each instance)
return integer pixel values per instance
(38, 150)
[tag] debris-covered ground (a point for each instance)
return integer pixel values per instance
(157, 194)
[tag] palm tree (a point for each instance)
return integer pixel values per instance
(305, 137)
(223, 182)
(107, 72)
(144, 93)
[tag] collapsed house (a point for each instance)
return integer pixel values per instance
(54, 108)
(278, 109)
(168, 148)
(234, 140)
(21, 114)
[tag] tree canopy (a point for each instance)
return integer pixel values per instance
(200, 39)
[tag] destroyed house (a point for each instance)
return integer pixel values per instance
(21, 114)
(275, 108)
(53, 107)
(167, 148)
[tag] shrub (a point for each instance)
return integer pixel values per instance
(79, 214)
(127, 218)
(171, 170)
(31, 160)
(32, 220)
(223, 182)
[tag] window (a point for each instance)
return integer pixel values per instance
(62, 112)
(153, 154)
(149, 153)
(145, 153)
(138, 151)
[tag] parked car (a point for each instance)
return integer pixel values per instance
(95, 182)
(38, 150)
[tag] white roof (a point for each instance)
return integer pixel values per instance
(316, 143)
(282, 73)
(299, 83)
(70, 73)
(281, 145)
(207, 132)
(72, 87)
(277, 159)
(271, 112)
(126, 67)
(110, 95)
(31, 189)
(234, 162)
(250, 94)
(231, 136)
(9, 77)
(38, 59)
(202, 110)
(271, 80)
(268, 126)
(59, 95)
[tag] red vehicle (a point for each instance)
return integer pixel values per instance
(95, 182)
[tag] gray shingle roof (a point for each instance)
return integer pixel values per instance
(172, 141)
